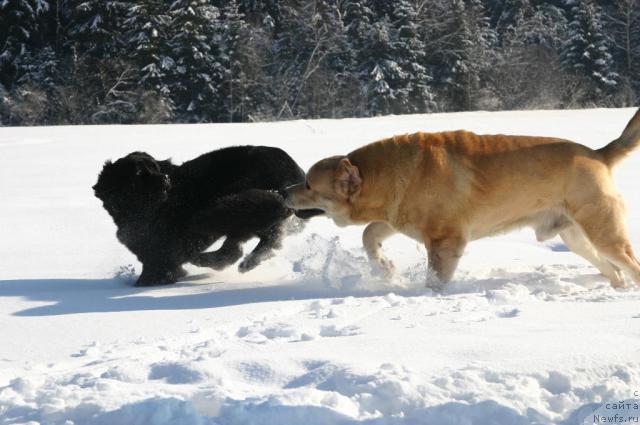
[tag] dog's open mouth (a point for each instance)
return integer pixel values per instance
(308, 213)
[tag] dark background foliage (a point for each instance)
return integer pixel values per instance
(103, 61)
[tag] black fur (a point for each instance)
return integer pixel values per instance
(167, 215)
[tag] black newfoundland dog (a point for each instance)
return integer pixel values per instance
(167, 215)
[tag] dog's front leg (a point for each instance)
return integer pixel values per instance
(444, 255)
(229, 253)
(372, 237)
(153, 274)
(269, 240)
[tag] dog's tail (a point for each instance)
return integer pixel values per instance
(629, 140)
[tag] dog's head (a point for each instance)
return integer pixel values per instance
(132, 185)
(332, 185)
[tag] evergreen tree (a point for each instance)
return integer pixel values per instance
(331, 87)
(358, 22)
(464, 53)
(298, 54)
(625, 29)
(505, 15)
(79, 61)
(17, 27)
(197, 51)
(235, 91)
(414, 94)
(147, 45)
(385, 72)
(258, 12)
(41, 68)
(587, 51)
(97, 29)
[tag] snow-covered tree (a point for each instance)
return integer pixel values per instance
(17, 25)
(147, 47)
(587, 51)
(414, 93)
(235, 57)
(385, 72)
(309, 44)
(625, 20)
(462, 52)
(97, 26)
(197, 50)
(358, 19)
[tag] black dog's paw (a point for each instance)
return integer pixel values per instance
(252, 261)
(155, 278)
(248, 264)
(218, 260)
(180, 272)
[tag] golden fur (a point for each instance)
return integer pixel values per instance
(447, 189)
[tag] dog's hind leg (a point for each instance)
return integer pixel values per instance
(270, 240)
(576, 241)
(229, 253)
(602, 220)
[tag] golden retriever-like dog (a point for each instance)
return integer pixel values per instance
(447, 189)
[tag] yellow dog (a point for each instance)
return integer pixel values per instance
(447, 189)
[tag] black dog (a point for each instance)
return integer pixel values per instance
(167, 215)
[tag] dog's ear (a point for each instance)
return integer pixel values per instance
(348, 179)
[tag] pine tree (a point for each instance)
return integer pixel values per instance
(587, 51)
(17, 26)
(97, 26)
(41, 68)
(414, 94)
(506, 15)
(235, 59)
(258, 12)
(463, 54)
(299, 50)
(385, 72)
(198, 53)
(37, 93)
(332, 89)
(358, 22)
(147, 46)
(625, 29)
(390, 56)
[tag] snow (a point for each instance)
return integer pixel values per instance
(527, 333)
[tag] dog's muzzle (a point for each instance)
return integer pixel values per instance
(300, 213)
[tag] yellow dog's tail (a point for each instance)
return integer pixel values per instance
(629, 140)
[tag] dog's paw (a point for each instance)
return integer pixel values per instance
(200, 260)
(252, 261)
(217, 260)
(160, 278)
(434, 283)
(249, 263)
(383, 267)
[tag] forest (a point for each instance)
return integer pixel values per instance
(189, 61)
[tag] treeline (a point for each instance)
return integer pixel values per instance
(101, 61)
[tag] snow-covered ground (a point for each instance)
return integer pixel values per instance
(526, 334)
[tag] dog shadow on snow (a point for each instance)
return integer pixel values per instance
(71, 296)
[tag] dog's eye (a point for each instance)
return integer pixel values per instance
(306, 185)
